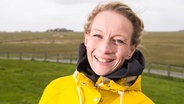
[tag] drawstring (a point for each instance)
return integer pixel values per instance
(78, 88)
(121, 96)
(79, 94)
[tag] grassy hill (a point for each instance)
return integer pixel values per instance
(164, 47)
(158, 47)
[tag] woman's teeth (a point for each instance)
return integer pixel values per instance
(103, 60)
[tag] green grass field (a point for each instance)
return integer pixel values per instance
(22, 82)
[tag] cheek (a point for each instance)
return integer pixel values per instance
(89, 47)
(90, 44)
(122, 53)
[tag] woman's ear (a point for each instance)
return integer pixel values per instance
(131, 51)
(86, 34)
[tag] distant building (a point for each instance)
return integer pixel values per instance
(59, 30)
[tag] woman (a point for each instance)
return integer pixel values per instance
(109, 66)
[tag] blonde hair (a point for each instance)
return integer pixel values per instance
(122, 9)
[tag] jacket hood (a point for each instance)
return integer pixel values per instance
(131, 67)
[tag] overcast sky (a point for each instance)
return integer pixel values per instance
(40, 15)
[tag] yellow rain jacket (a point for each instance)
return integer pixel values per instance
(78, 89)
(122, 86)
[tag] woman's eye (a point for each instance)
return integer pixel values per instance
(118, 41)
(97, 36)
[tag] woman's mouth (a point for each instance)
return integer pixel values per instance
(103, 60)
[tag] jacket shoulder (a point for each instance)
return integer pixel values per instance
(61, 83)
(60, 80)
(56, 87)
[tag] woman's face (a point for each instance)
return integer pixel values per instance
(108, 43)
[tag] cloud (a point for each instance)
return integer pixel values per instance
(165, 15)
(71, 2)
(39, 15)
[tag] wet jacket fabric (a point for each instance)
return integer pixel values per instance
(85, 87)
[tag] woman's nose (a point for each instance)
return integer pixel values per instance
(106, 47)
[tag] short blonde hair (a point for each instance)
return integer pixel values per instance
(122, 9)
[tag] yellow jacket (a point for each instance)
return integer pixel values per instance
(78, 89)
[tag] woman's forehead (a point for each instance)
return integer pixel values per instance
(109, 21)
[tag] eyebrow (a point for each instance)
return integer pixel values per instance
(121, 35)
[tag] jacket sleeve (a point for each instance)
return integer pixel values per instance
(49, 93)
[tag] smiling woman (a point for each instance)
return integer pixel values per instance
(109, 66)
(108, 47)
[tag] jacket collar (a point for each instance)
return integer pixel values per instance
(132, 67)
(108, 84)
